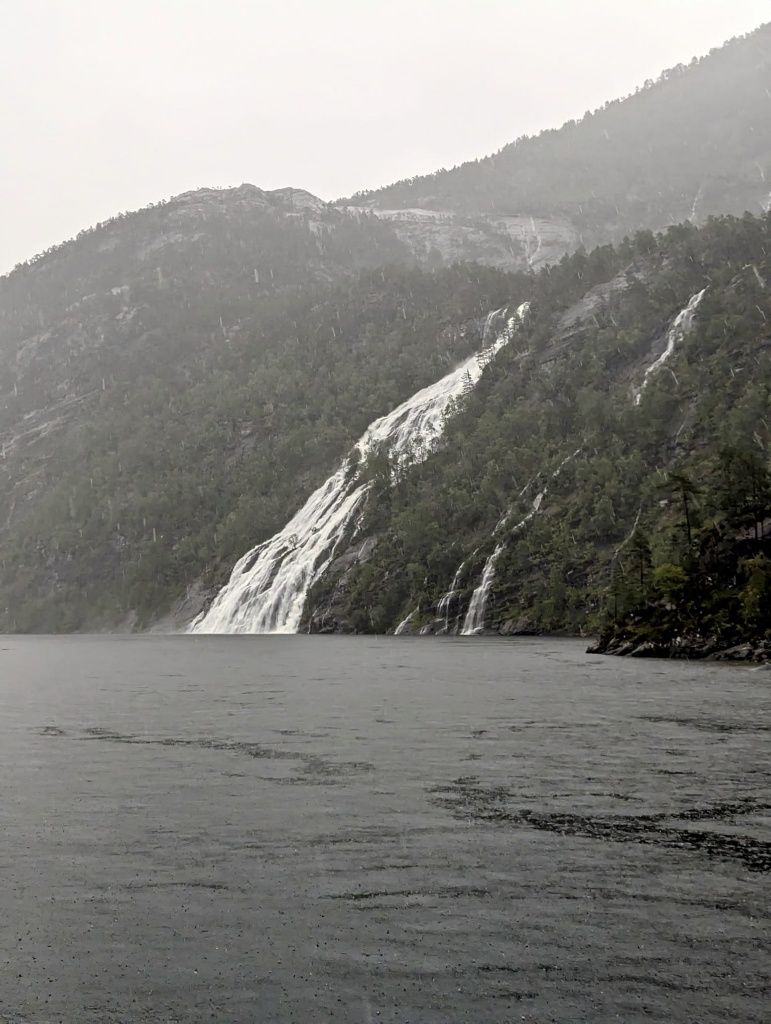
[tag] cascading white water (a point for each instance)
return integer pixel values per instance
(443, 608)
(694, 208)
(406, 621)
(475, 616)
(681, 325)
(268, 586)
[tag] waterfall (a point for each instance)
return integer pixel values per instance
(475, 616)
(269, 584)
(534, 507)
(694, 208)
(406, 621)
(445, 602)
(681, 325)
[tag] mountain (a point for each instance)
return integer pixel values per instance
(423, 420)
(175, 380)
(641, 374)
(694, 143)
(159, 291)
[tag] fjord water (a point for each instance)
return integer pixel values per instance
(266, 828)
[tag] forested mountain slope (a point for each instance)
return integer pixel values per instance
(694, 143)
(638, 367)
(176, 381)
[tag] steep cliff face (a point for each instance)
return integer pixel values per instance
(695, 143)
(506, 242)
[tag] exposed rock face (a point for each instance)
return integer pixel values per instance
(597, 301)
(523, 626)
(104, 340)
(329, 616)
(652, 159)
(189, 607)
(510, 243)
(689, 648)
(248, 197)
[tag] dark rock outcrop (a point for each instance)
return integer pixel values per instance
(690, 647)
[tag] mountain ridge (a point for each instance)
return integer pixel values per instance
(654, 158)
(174, 383)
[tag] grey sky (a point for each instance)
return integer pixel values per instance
(112, 104)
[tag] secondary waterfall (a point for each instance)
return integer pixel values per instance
(443, 608)
(406, 621)
(268, 586)
(681, 325)
(475, 616)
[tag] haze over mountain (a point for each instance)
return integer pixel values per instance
(694, 143)
(178, 381)
(133, 103)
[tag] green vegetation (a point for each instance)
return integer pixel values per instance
(709, 588)
(160, 420)
(177, 381)
(624, 521)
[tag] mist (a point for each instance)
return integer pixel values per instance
(115, 106)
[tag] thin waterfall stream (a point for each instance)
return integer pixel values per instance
(475, 616)
(681, 325)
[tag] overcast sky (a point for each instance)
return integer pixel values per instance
(111, 104)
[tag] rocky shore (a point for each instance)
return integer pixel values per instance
(688, 647)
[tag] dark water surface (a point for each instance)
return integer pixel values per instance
(379, 830)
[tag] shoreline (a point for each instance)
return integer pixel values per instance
(689, 648)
